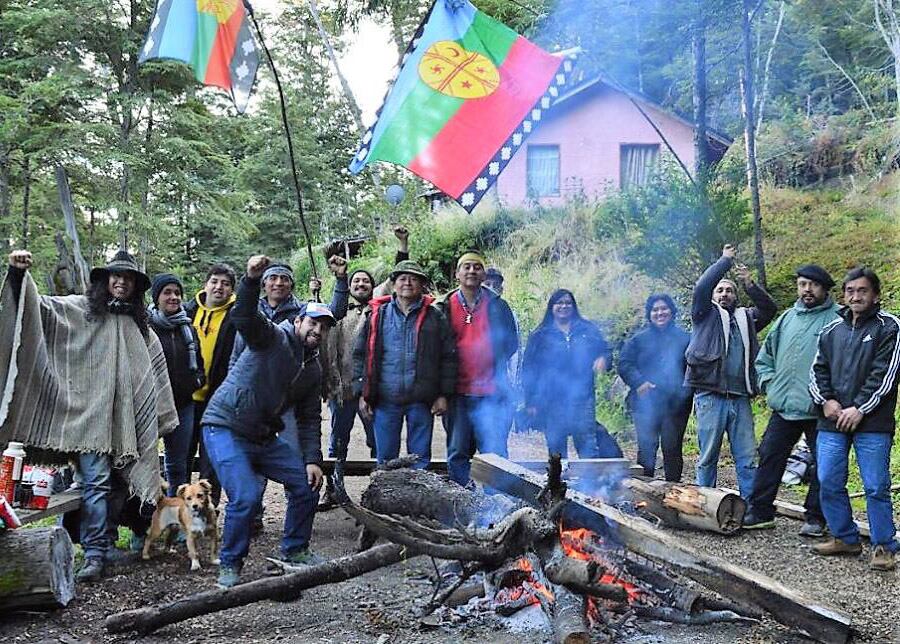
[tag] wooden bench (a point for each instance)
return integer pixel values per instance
(59, 504)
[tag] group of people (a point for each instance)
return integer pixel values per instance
(248, 364)
(828, 373)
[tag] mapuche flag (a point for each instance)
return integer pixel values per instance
(469, 91)
(213, 37)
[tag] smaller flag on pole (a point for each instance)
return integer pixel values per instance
(469, 92)
(213, 37)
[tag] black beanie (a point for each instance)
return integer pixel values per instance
(160, 282)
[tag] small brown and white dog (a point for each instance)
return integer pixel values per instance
(192, 510)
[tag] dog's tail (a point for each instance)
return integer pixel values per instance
(164, 484)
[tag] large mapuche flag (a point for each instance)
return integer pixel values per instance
(469, 91)
(213, 37)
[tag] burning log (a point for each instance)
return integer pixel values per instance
(283, 588)
(689, 506)
(702, 618)
(746, 587)
(36, 569)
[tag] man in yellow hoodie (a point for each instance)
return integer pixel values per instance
(210, 313)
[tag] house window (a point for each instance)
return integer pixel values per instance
(543, 171)
(637, 163)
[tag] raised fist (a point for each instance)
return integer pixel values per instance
(21, 259)
(337, 265)
(729, 251)
(257, 265)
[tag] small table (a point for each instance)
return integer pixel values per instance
(59, 504)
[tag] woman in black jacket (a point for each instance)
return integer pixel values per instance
(181, 347)
(652, 364)
(561, 357)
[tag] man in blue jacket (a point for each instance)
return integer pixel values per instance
(782, 369)
(720, 367)
(854, 384)
(278, 371)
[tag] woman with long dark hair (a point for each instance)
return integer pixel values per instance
(652, 364)
(562, 356)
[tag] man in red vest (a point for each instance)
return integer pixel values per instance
(486, 338)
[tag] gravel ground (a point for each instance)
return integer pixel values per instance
(380, 607)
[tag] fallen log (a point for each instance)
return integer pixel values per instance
(36, 569)
(417, 493)
(702, 618)
(282, 588)
(689, 506)
(788, 606)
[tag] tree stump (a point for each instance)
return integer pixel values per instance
(36, 568)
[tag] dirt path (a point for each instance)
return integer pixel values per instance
(380, 607)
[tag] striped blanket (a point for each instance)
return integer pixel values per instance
(73, 386)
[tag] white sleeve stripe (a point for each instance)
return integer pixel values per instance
(889, 377)
(813, 385)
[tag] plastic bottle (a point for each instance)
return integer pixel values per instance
(11, 469)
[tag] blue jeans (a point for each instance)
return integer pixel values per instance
(719, 415)
(238, 463)
(178, 444)
(474, 423)
(873, 454)
(342, 417)
(103, 495)
(388, 422)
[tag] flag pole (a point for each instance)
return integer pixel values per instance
(290, 143)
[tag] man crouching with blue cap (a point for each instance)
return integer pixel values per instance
(277, 371)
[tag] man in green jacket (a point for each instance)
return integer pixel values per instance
(782, 368)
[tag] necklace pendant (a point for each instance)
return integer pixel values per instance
(468, 319)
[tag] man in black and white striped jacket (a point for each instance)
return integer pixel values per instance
(854, 382)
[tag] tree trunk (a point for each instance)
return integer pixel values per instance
(36, 569)
(760, 112)
(421, 494)
(284, 588)
(750, 140)
(5, 161)
(698, 48)
(689, 506)
(26, 199)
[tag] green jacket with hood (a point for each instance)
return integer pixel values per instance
(785, 359)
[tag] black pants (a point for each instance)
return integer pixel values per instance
(206, 469)
(661, 422)
(779, 439)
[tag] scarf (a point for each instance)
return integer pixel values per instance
(180, 320)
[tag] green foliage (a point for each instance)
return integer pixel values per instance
(672, 229)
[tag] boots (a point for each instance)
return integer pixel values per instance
(882, 559)
(834, 547)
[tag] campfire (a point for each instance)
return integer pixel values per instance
(584, 582)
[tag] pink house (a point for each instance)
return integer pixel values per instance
(592, 141)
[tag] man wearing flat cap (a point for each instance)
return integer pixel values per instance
(90, 383)
(404, 365)
(782, 370)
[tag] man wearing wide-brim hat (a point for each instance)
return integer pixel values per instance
(404, 365)
(90, 382)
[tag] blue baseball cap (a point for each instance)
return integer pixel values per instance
(317, 310)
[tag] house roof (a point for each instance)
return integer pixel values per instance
(719, 141)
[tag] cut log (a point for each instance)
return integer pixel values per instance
(570, 624)
(788, 606)
(283, 588)
(689, 506)
(36, 569)
(420, 494)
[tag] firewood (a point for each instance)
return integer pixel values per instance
(285, 587)
(689, 506)
(741, 585)
(36, 569)
(570, 625)
(676, 616)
